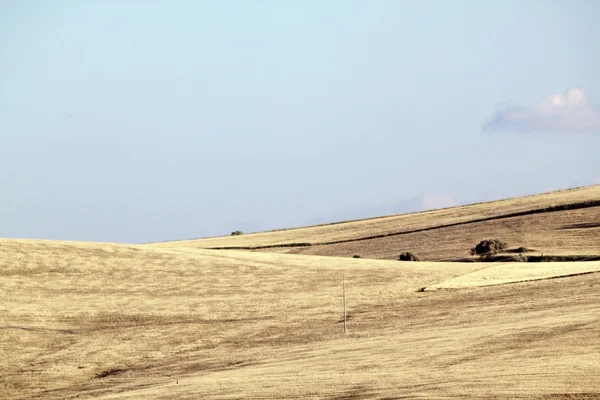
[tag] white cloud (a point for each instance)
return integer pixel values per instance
(569, 112)
(435, 201)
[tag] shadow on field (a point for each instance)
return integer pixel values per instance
(585, 225)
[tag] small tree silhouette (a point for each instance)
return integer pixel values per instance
(488, 248)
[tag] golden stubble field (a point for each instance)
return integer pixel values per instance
(85, 320)
(445, 234)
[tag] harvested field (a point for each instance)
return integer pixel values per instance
(505, 273)
(557, 223)
(84, 320)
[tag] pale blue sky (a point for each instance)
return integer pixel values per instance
(134, 121)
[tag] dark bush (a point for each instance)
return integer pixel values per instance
(356, 256)
(488, 247)
(408, 256)
(236, 233)
(522, 250)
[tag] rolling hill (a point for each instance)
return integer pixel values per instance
(557, 223)
(178, 320)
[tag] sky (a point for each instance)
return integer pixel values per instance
(133, 121)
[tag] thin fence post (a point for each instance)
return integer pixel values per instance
(344, 291)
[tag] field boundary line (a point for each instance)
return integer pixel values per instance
(557, 208)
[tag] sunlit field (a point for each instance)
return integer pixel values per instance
(558, 223)
(175, 321)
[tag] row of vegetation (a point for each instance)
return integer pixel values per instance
(486, 250)
(406, 256)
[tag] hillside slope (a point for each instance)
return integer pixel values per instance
(85, 320)
(564, 223)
